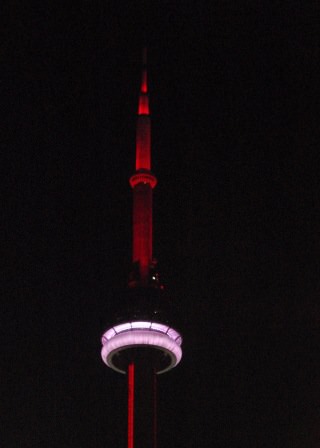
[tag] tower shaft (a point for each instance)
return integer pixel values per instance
(142, 403)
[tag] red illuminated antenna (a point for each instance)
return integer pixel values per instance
(142, 183)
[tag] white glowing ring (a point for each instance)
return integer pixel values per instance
(141, 325)
(140, 338)
(131, 334)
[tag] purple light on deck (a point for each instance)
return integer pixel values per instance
(141, 325)
(153, 327)
(163, 338)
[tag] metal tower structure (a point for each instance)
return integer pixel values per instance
(141, 341)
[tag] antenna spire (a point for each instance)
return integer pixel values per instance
(143, 108)
(142, 183)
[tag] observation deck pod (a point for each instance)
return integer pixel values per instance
(142, 328)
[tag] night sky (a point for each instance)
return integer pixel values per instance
(234, 88)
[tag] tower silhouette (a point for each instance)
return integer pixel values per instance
(141, 341)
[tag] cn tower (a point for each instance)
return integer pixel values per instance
(141, 341)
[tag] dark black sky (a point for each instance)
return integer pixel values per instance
(234, 91)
